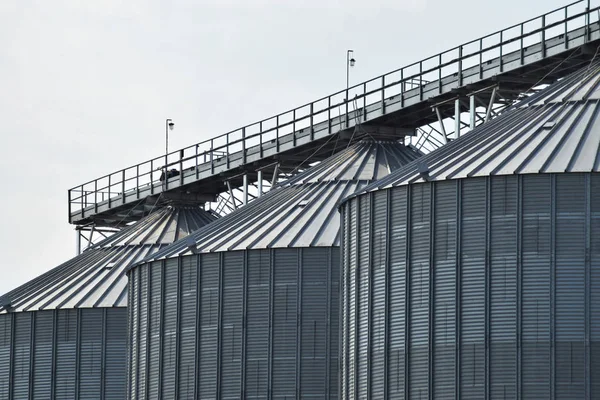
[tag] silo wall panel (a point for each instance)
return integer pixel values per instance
(536, 299)
(43, 354)
(243, 324)
(187, 325)
(502, 277)
(115, 353)
(377, 311)
(502, 287)
(257, 331)
(594, 314)
(397, 319)
(570, 247)
(63, 354)
(170, 314)
(6, 338)
(443, 272)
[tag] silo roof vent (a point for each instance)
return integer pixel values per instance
(303, 202)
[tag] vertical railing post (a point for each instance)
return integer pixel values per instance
(181, 157)
(480, 58)
(364, 101)
(587, 22)
(96, 196)
(566, 27)
(277, 134)
(196, 162)
(260, 140)
(212, 156)
(137, 181)
(460, 81)
(69, 206)
(227, 150)
(401, 87)
(312, 131)
(347, 100)
(420, 80)
(383, 95)
(123, 186)
(440, 73)
(501, 42)
(294, 127)
(329, 115)
(522, 50)
(244, 145)
(166, 179)
(544, 36)
(109, 202)
(151, 176)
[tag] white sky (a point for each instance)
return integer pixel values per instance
(86, 85)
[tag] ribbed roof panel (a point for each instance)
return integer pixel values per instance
(96, 277)
(555, 131)
(301, 212)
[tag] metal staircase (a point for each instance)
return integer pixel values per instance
(496, 69)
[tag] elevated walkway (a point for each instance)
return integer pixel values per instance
(500, 67)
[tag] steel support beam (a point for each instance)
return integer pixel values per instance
(231, 196)
(441, 122)
(260, 183)
(456, 118)
(245, 190)
(275, 175)
(490, 105)
(472, 113)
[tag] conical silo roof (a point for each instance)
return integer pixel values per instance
(300, 212)
(555, 131)
(96, 277)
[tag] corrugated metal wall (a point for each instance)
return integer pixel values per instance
(471, 289)
(63, 354)
(249, 324)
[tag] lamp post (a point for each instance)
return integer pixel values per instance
(169, 125)
(350, 61)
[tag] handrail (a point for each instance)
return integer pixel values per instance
(323, 112)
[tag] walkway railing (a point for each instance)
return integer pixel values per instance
(467, 63)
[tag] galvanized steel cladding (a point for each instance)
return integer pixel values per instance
(63, 335)
(64, 354)
(241, 324)
(473, 288)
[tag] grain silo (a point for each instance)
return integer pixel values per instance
(63, 335)
(247, 307)
(474, 273)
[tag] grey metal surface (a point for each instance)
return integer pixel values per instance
(96, 278)
(254, 313)
(251, 324)
(472, 272)
(64, 334)
(64, 354)
(301, 212)
(475, 288)
(542, 49)
(554, 131)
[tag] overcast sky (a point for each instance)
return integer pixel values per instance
(86, 85)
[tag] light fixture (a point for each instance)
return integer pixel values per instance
(352, 62)
(171, 125)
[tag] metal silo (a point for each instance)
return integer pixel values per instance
(63, 335)
(474, 273)
(248, 306)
